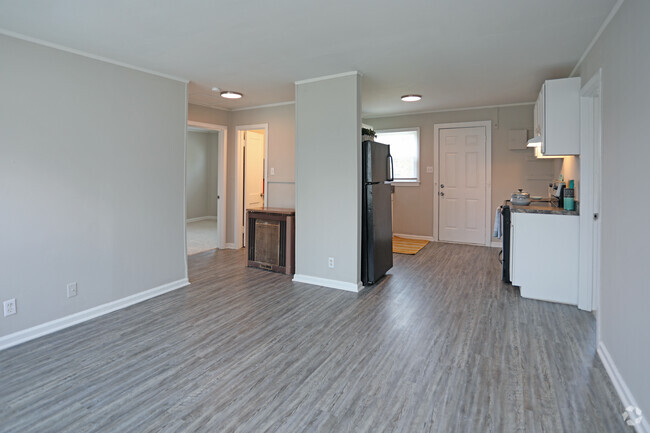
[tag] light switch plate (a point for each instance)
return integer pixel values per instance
(429, 169)
(72, 290)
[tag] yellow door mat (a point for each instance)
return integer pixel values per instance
(407, 246)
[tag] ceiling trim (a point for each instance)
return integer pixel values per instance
(276, 104)
(230, 110)
(615, 9)
(206, 126)
(200, 130)
(327, 77)
(85, 54)
(208, 106)
(379, 116)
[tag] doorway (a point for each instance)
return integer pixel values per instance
(590, 196)
(462, 182)
(252, 187)
(205, 185)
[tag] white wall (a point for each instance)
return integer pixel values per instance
(569, 167)
(328, 180)
(201, 176)
(213, 173)
(197, 174)
(622, 53)
(511, 169)
(202, 114)
(92, 182)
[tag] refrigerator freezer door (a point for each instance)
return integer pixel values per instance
(376, 162)
(377, 250)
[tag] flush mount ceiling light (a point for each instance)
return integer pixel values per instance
(215, 89)
(411, 98)
(231, 95)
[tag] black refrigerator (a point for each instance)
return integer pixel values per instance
(377, 231)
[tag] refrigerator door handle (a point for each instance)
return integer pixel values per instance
(389, 162)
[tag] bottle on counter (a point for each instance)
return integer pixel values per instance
(569, 199)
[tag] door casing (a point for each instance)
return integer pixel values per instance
(590, 196)
(221, 179)
(487, 124)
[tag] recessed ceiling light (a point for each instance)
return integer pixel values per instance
(411, 98)
(231, 95)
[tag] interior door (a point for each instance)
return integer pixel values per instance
(253, 173)
(254, 170)
(461, 194)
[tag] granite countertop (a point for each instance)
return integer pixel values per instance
(542, 206)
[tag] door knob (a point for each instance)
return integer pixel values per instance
(595, 216)
(442, 185)
(442, 194)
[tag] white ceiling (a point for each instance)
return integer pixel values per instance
(456, 53)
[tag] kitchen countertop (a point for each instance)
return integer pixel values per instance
(542, 206)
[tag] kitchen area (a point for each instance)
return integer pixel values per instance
(541, 233)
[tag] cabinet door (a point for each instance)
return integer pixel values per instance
(512, 257)
(545, 256)
(541, 113)
(561, 125)
(535, 120)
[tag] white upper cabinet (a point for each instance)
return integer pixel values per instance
(557, 117)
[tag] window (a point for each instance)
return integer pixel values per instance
(405, 150)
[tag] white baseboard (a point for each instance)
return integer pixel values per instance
(82, 316)
(622, 390)
(423, 238)
(203, 218)
(497, 244)
(326, 282)
(230, 246)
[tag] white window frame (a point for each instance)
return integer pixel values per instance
(415, 182)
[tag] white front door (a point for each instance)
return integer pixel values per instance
(461, 193)
(253, 172)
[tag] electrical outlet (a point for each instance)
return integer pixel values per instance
(330, 262)
(72, 290)
(429, 169)
(272, 171)
(9, 307)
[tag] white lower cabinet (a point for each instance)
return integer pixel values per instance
(544, 256)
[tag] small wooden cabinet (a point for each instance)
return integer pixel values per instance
(271, 239)
(557, 117)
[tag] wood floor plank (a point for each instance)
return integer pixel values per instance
(439, 345)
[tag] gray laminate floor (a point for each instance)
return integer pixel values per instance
(440, 345)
